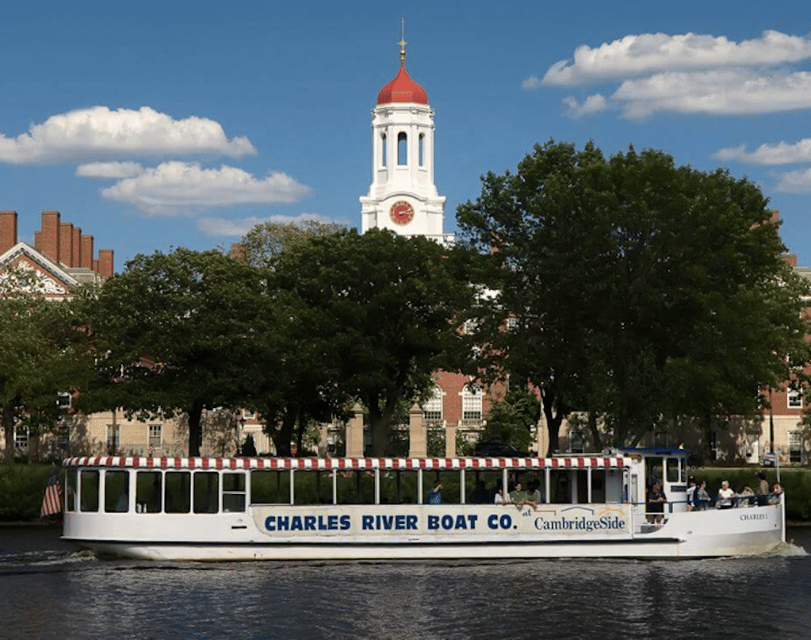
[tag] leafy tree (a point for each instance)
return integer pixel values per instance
(633, 289)
(263, 244)
(381, 313)
(41, 356)
(175, 332)
(510, 419)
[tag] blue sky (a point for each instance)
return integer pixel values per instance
(154, 125)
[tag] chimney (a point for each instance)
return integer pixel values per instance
(87, 252)
(76, 260)
(8, 230)
(38, 241)
(238, 252)
(105, 263)
(791, 258)
(49, 239)
(66, 243)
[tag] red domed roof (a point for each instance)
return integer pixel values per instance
(402, 89)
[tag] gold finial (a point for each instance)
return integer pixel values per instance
(402, 42)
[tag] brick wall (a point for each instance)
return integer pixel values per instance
(8, 230)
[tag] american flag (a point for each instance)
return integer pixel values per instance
(52, 502)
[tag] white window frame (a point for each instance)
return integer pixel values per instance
(794, 399)
(472, 402)
(432, 408)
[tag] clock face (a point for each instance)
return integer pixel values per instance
(401, 212)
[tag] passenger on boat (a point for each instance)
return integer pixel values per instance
(533, 496)
(762, 489)
(435, 494)
(702, 498)
(499, 497)
(744, 496)
(777, 491)
(691, 493)
(517, 494)
(656, 504)
(479, 494)
(725, 496)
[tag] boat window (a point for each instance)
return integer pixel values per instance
(233, 492)
(355, 487)
(148, 491)
(89, 487)
(560, 487)
(598, 492)
(206, 492)
(71, 484)
(177, 493)
(270, 487)
(674, 470)
(398, 487)
(116, 491)
(655, 471)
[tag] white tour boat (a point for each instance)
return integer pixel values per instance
(379, 509)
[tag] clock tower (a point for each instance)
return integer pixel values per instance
(402, 196)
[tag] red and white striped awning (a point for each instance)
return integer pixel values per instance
(350, 464)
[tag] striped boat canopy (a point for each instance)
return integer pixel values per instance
(350, 464)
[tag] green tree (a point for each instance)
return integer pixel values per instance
(176, 332)
(381, 313)
(41, 356)
(636, 290)
(263, 244)
(510, 419)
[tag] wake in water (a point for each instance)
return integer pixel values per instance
(788, 549)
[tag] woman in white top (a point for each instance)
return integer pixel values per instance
(725, 496)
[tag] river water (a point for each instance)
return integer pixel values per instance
(51, 590)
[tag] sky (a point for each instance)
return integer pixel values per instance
(156, 125)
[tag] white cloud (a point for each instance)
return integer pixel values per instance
(728, 92)
(238, 227)
(592, 104)
(109, 170)
(99, 132)
(179, 188)
(769, 154)
(795, 182)
(638, 55)
(533, 82)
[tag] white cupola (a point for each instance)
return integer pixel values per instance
(402, 196)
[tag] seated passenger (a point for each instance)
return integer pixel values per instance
(499, 497)
(533, 496)
(517, 494)
(777, 491)
(479, 494)
(435, 494)
(725, 496)
(744, 496)
(702, 496)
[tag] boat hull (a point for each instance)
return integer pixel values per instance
(472, 532)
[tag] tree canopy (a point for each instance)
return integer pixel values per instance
(41, 356)
(633, 289)
(175, 332)
(379, 314)
(263, 244)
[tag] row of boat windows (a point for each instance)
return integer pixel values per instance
(154, 491)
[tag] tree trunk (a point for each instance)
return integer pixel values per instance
(380, 427)
(8, 432)
(283, 434)
(195, 416)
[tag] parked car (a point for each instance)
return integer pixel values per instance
(498, 450)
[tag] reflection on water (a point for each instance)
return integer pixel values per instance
(60, 593)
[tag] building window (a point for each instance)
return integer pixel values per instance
(154, 436)
(383, 149)
(795, 447)
(421, 149)
(795, 399)
(20, 437)
(470, 326)
(432, 409)
(63, 400)
(472, 402)
(512, 323)
(402, 148)
(113, 438)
